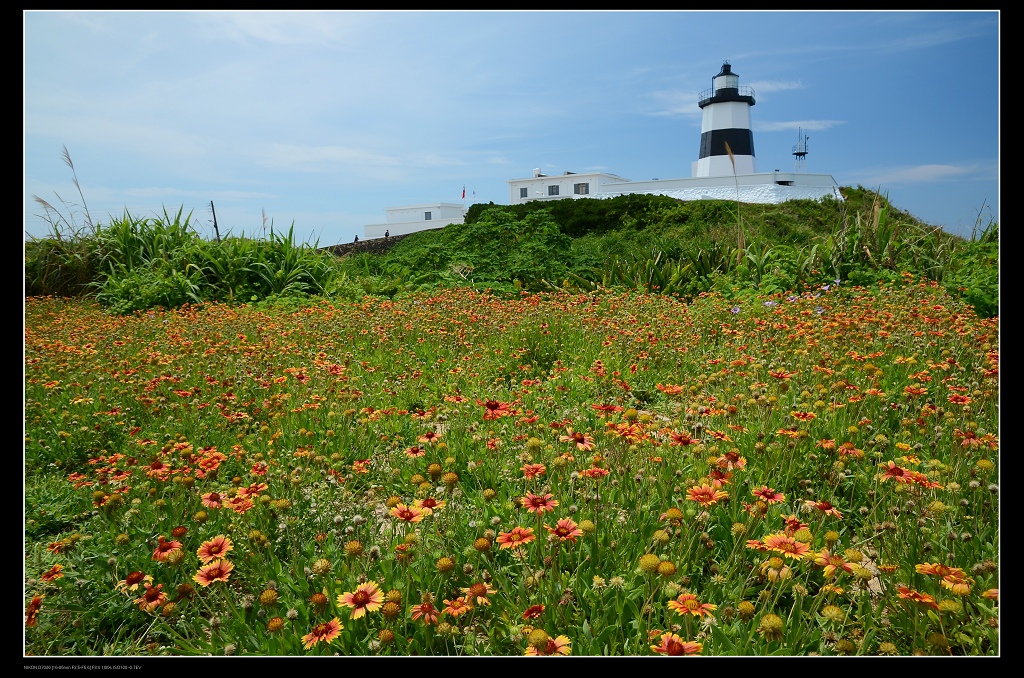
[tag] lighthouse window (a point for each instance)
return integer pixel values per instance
(552, 190)
(581, 189)
(524, 192)
(426, 216)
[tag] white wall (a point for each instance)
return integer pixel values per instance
(759, 179)
(726, 115)
(537, 188)
(412, 218)
(720, 166)
(438, 210)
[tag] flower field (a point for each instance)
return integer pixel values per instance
(460, 473)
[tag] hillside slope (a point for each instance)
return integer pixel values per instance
(660, 244)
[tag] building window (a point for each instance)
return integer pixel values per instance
(426, 216)
(581, 189)
(524, 192)
(552, 190)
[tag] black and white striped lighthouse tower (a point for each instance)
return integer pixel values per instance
(726, 119)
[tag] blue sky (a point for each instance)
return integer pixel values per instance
(323, 119)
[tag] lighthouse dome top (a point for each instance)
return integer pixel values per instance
(725, 87)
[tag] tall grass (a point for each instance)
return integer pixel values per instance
(66, 262)
(134, 263)
(740, 241)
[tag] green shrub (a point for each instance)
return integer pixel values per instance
(637, 241)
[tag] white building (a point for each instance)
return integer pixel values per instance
(725, 169)
(767, 187)
(567, 185)
(412, 218)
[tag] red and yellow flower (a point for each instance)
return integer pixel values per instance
(583, 441)
(825, 507)
(538, 504)
(211, 549)
(494, 409)
(408, 514)
(32, 612)
(367, 597)
(673, 646)
(152, 598)
(477, 593)
(789, 547)
(705, 495)
(917, 597)
(559, 645)
(164, 548)
(425, 611)
(53, 573)
(829, 561)
(565, 529)
(533, 612)
(325, 632)
(517, 538)
(687, 603)
(460, 605)
(217, 570)
(133, 581)
(769, 495)
(531, 471)
(213, 500)
(428, 505)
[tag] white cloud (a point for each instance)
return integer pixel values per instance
(280, 27)
(285, 157)
(917, 174)
(178, 193)
(92, 21)
(675, 102)
(684, 102)
(762, 86)
(805, 125)
(118, 134)
(967, 28)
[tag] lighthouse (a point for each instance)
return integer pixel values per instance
(726, 120)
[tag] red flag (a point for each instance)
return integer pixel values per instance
(463, 192)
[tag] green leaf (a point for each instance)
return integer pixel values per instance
(723, 639)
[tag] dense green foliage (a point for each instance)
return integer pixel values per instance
(643, 242)
(134, 263)
(664, 245)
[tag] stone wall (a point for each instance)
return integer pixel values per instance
(374, 246)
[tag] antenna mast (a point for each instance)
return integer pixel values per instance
(800, 150)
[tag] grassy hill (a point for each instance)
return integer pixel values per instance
(644, 242)
(661, 244)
